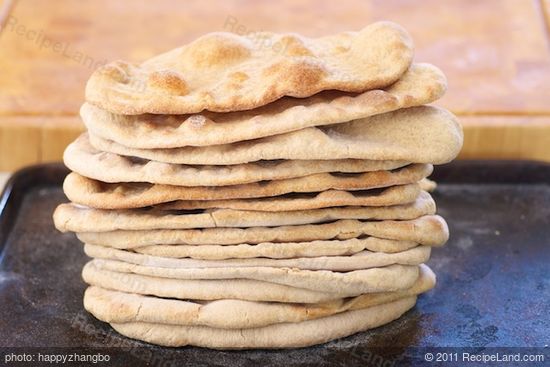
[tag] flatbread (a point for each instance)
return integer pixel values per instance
(379, 197)
(279, 250)
(225, 72)
(76, 218)
(102, 195)
(424, 134)
(82, 158)
(270, 284)
(285, 335)
(429, 230)
(121, 307)
(421, 84)
(308, 201)
(358, 261)
(427, 185)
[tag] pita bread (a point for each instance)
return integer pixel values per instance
(102, 195)
(225, 72)
(308, 201)
(421, 84)
(284, 335)
(270, 284)
(429, 230)
(121, 307)
(357, 261)
(82, 158)
(76, 218)
(424, 134)
(279, 250)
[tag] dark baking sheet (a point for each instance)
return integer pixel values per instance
(492, 291)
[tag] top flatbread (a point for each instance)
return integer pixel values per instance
(424, 134)
(421, 84)
(226, 72)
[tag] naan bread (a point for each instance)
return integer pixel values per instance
(429, 230)
(308, 201)
(421, 84)
(84, 159)
(102, 195)
(424, 134)
(121, 307)
(253, 284)
(278, 250)
(285, 335)
(225, 72)
(77, 218)
(358, 261)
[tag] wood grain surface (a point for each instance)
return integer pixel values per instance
(495, 54)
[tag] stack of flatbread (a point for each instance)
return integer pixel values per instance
(243, 194)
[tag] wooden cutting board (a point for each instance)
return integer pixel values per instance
(494, 52)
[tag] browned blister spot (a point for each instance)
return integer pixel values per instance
(239, 76)
(292, 46)
(169, 81)
(296, 72)
(217, 50)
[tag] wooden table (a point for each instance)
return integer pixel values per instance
(494, 52)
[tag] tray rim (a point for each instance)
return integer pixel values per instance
(50, 174)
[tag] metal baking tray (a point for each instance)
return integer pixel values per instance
(493, 285)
